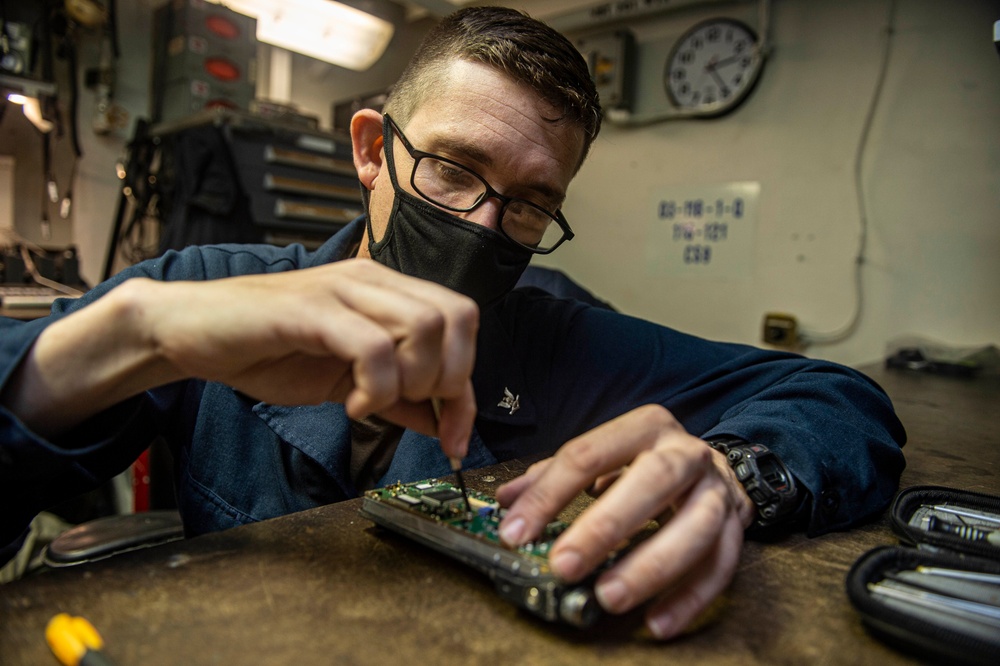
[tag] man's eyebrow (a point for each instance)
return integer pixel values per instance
(461, 151)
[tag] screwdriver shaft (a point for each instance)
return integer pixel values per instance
(456, 463)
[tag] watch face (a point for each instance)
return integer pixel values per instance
(713, 67)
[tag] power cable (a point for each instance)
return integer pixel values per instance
(851, 326)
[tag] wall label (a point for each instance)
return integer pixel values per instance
(703, 231)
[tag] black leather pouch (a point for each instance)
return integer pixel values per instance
(937, 595)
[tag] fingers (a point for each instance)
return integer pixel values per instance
(455, 424)
(454, 427)
(604, 482)
(683, 566)
(677, 547)
(432, 332)
(352, 331)
(676, 610)
(656, 481)
(574, 468)
(510, 491)
(646, 468)
(369, 353)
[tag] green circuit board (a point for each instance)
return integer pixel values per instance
(443, 502)
(434, 513)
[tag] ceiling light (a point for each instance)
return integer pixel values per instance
(321, 29)
(28, 93)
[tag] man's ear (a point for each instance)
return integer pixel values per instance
(366, 139)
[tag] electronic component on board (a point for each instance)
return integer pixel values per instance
(434, 513)
(445, 498)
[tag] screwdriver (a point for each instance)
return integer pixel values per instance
(456, 463)
(75, 641)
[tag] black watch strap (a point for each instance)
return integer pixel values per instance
(764, 477)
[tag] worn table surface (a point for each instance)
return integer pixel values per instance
(326, 587)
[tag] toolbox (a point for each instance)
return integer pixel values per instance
(296, 179)
(937, 594)
(204, 56)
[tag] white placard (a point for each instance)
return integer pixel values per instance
(703, 231)
(6, 192)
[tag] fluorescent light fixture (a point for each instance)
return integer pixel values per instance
(32, 109)
(27, 94)
(322, 29)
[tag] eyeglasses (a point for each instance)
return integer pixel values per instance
(455, 187)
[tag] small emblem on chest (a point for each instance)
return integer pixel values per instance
(510, 401)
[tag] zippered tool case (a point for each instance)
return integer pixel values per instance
(938, 594)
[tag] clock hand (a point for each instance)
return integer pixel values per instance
(723, 88)
(730, 59)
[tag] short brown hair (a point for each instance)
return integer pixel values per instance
(511, 42)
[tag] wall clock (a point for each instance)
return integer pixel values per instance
(713, 67)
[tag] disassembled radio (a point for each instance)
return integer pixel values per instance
(434, 513)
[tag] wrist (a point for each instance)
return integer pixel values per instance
(766, 480)
(135, 315)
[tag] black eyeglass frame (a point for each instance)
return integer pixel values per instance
(417, 155)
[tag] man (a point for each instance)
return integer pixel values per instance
(284, 380)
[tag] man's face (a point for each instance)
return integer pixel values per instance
(497, 128)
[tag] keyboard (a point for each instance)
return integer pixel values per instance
(28, 296)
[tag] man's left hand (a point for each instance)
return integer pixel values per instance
(645, 467)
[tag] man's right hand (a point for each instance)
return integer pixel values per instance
(352, 332)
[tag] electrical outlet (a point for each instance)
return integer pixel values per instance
(610, 57)
(781, 330)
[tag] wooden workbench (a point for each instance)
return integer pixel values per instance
(326, 587)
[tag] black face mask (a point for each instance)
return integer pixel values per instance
(423, 241)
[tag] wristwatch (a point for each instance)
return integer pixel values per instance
(765, 478)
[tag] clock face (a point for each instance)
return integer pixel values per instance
(713, 67)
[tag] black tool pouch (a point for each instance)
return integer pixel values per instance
(932, 625)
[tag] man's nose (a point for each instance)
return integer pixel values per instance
(487, 213)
